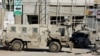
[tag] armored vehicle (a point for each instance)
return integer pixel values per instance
(80, 39)
(84, 38)
(17, 37)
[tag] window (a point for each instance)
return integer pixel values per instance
(62, 31)
(57, 20)
(13, 29)
(7, 7)
(35, 30)
(32, 19)
(24, 29)
(12, 7)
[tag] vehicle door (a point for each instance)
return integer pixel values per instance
(35, 36)
(64, 33)
(44, 35)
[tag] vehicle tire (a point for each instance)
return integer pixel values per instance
(54, 47)
(17, 45)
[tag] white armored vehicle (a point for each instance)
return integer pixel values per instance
(16, 37)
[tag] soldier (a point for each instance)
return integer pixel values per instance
(70, 44)
(68, 25)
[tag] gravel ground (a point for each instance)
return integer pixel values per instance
(45, 52)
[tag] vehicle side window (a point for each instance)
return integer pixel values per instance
(35, 30)
(24, 30)
(13, 29)
(62, 31)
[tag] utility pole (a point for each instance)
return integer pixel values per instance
(39, 11)
(45, 12)
(1, 19)
(85, 12)
(57, 11)
(72, 16)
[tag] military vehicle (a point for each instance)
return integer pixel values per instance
(85, 37)
(16, 37)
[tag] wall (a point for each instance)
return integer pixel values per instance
(68, 2)
(32, 8)
(2, 13)
(78, 11)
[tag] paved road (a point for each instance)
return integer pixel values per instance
(45, 52)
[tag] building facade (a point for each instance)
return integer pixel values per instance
(51, 11)
(55, 11)
(46, 10)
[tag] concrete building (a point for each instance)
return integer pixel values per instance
(36, 11)
(48, 11)
(51, 11)
(55, 11)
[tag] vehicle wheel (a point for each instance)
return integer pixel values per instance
(54, 47)
(17, 45)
